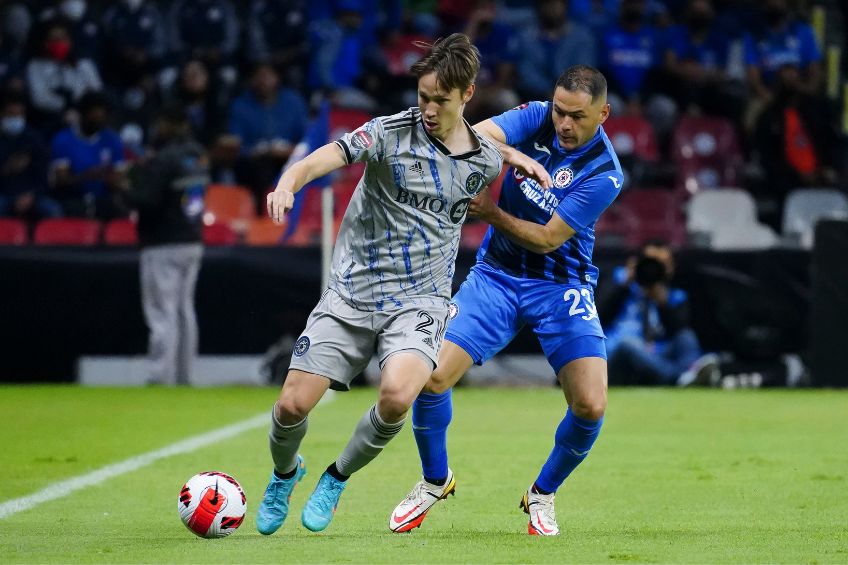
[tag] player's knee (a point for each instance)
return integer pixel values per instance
(394, 404)
(291, 409)
(440, 382)
(590, 408)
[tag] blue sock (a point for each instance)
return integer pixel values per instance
(431, 416)
(573, 440)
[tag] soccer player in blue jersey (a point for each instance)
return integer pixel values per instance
(533, 268)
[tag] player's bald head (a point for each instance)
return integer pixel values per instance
(582, 78)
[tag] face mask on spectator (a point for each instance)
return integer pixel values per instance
(12, 125)
(58, 49)
(73, 9)
(133, 4)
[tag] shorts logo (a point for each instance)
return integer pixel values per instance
(301, 346)
(457, 211)
(453, 310)
(361, 140)
(563, 177)
(428, 341)
(474, 182)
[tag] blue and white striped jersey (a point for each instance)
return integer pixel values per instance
(586, 181)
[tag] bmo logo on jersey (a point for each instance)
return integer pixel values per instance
(434, 205)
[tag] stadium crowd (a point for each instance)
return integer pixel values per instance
(81, 81)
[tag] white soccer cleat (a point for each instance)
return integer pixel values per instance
(540, 507)
(412, 510)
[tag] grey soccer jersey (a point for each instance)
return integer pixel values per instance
(400, 234)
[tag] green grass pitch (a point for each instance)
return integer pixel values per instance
(677, 476)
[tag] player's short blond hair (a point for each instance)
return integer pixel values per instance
(454, 59)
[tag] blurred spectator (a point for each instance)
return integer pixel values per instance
(56, 77)
(696, 60)
(16, 25)
(782, 41)
(277, 32)
(11, 76)
(168, 192)
(135, 36)
(199, 95)
(268, 121)
(795, 140)
(551, 44)
(207, 31)
(23, 165)
(88, 161)
(421, 15)
(498, 52)
(344, 55)
(646, 321)
(631, 52)
(84, 28)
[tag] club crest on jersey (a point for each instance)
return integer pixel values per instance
(518, 176)
(361, 139)
(563, 177)
(453, 310)
(301, 346)
(522, 106)
(474, 182)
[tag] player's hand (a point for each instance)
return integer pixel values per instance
(530, 167)
(279, 202)
(482, 207)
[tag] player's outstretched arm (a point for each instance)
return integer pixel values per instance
(323, 160)
(525, 165)
(534, 237)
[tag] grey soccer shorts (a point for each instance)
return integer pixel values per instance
(339, 340)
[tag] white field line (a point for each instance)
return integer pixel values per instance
(66, 487)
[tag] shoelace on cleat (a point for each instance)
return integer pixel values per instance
(326, 499)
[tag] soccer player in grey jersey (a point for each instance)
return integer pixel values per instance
(391, 276)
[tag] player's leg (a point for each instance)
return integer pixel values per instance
(584, 382)
(404, 374)
(568, 329)
(335, 345)
(299, 395)
(483, 319)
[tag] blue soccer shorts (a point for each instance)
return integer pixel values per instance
(492, 306)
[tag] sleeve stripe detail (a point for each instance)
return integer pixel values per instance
(343, 145)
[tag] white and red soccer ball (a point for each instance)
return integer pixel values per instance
(212, 504)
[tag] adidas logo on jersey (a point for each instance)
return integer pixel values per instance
(416, 167)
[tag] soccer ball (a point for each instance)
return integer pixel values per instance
(212, 504)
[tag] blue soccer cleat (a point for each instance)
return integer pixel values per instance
(322, 503)
(275, 503)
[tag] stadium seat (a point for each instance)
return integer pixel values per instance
(401, 53)
(806, 206)
(13, 232)
(67, 231)
(651, 204)
(727, 219)
(632, 135)
(219, 234)
(344, 120)
(743, 237)
(614, 228)
(707, 153)
(121, 231)
(230, 204)
(636, 146)
(263, 231)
